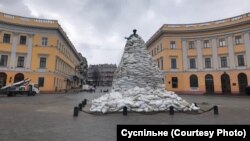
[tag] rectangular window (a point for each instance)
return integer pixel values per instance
(222, 42)
(207, 63)
(191, 45)
(193, 79)
(23, 40)
(223, 60)
(41, 82)
(44, 41)
(20, 61)
(3, 60)
(237, 40)
(6, 38)
(158, 63)
(161, 47)
(172, 45)
(154, 51)
(206, 43)
(241, 61)
(192, 63)
(161, 63)
(174, 82)
(158, 49)
(42, 62)
(173, 63)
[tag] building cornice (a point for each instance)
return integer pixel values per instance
(222, 24)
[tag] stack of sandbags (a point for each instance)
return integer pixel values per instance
(138, 84)
(136, 68)
(140, 100)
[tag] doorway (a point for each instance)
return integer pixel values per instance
(3, 78)
(225, 83)
(242, 81)
(209, 82)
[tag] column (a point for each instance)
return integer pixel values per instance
(231, 52)
(199, 54)
(215, 54)
(29, 51)
(13, 51)
(247, 46)
(184, 54)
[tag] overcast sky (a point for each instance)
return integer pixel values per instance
(97, 27)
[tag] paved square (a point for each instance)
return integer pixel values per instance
(50, 117)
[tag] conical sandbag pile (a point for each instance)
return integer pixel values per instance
(138, 84)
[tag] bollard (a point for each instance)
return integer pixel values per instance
(171, 110)
(195, 104)
(30, 90)
(216, 110)
(75, 111)
(80, 107)
(84, 102)
(125, 111)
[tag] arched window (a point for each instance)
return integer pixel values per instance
(193, 81)
(18, 77)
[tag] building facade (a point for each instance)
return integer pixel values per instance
(211, 57)
(101, 75)
(38, 49)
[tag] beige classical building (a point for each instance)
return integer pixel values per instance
(37, 49)
(210, 57)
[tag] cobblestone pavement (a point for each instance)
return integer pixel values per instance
(48, 117)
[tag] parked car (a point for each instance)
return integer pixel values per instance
(88, 88)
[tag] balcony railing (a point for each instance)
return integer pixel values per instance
(26, 19)
(232, 19)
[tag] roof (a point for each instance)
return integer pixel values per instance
(37, 23)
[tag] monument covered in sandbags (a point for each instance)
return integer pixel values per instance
(137, 67)
(138, 84)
